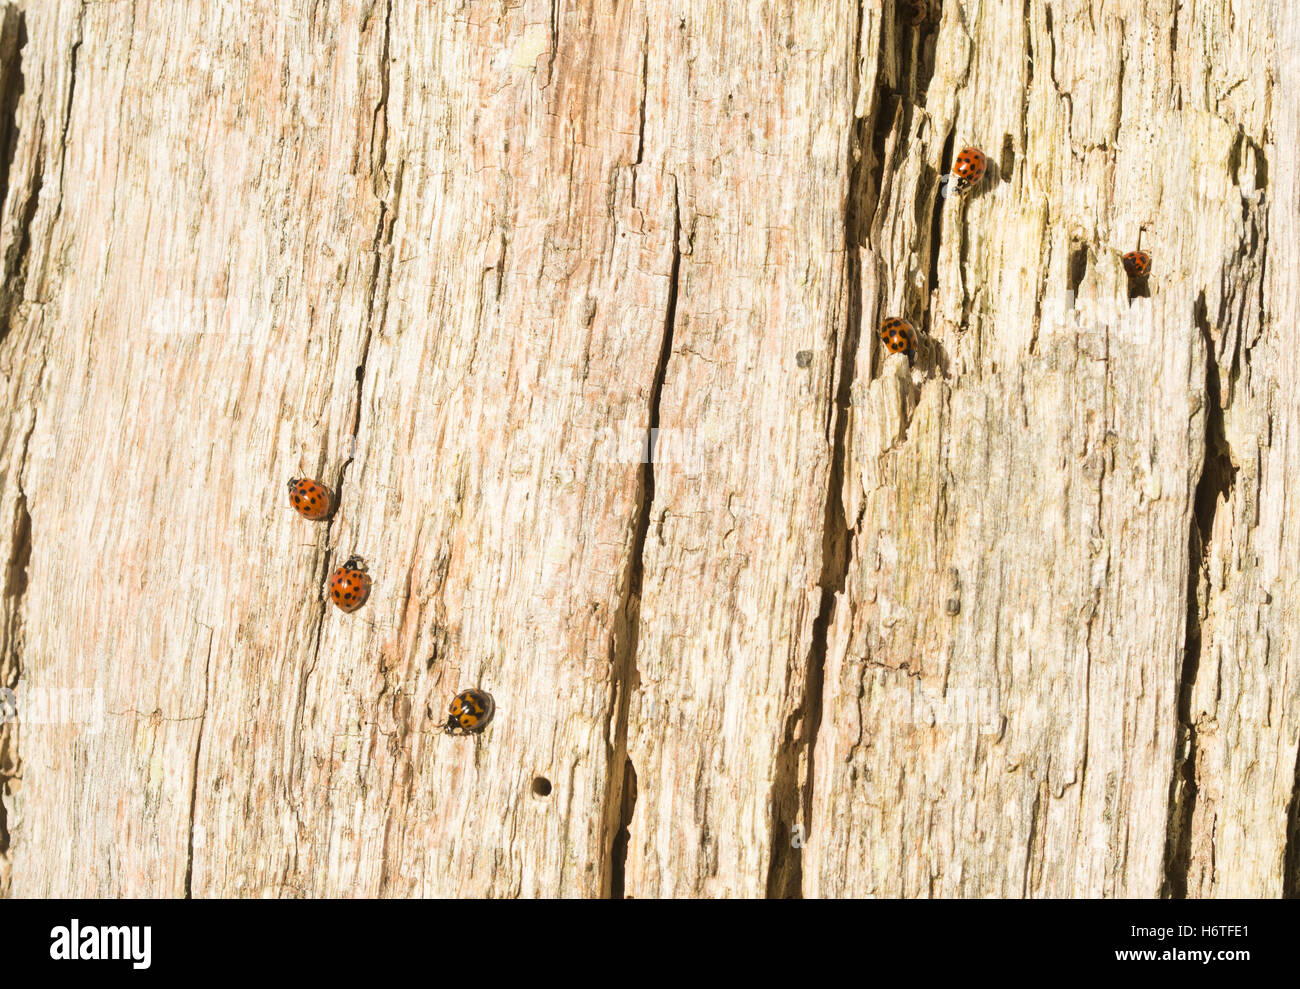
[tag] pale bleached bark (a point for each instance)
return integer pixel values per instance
(1015, 618)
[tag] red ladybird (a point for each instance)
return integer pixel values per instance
(915, 11)
(350, 584)
(969, 168)
(1137, 264)
(310, 499)
(897, 335)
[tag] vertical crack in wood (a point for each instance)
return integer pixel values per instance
(936, 235)
(17, 252)
(1215, 485)
(640, 118)
(932, 195)
(1291, 855)
(376, 313)
(621, 793)
(1029, 81)
(194, 772)
(1030, 844)
(13, 40)
(623, 835)
(73, 51)
(11, 661)
(11, 668)
(791, 799)
(1077, 268)
(376, 300)
(555, 43)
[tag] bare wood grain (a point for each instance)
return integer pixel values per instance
(1015, 617)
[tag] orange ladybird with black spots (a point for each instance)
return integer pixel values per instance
(469, 712)
(310, 499)
(350, 585)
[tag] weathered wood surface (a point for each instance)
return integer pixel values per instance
(1015, 618)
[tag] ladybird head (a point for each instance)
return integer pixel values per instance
(461, 724)
(355, 563)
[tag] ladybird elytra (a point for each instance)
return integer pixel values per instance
(469, 712)
(350, 585)
(897, 335)
(969, 168)
(1137, 264)
(310, 498)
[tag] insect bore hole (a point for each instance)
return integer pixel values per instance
(541, 786)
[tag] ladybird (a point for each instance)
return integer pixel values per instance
(897, 336)
(350, 584)
(969, 168)
(1137, 264)
(310, 499)
(915, 11)
(469, 712)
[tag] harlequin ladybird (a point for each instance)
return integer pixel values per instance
(1137, 264)
(469, 712)
(969, 168)
(896, 334)
(915, 11)
(350, 584)
(310, 499)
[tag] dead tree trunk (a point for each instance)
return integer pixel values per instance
(1012, 616)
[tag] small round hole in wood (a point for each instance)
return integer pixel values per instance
(541, 786)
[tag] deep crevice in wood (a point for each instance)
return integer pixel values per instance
(792, 793)
(20, 558)
(17, 254)
(867, 185)
(936, 232)
(618, 851)
(1215, 484)
(555, 42)
(1078, 268)
(13, 40)
(376, 311)
(916, 56)
(194, 774)
(11, 664)
(1291, 855)
(620, 797)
